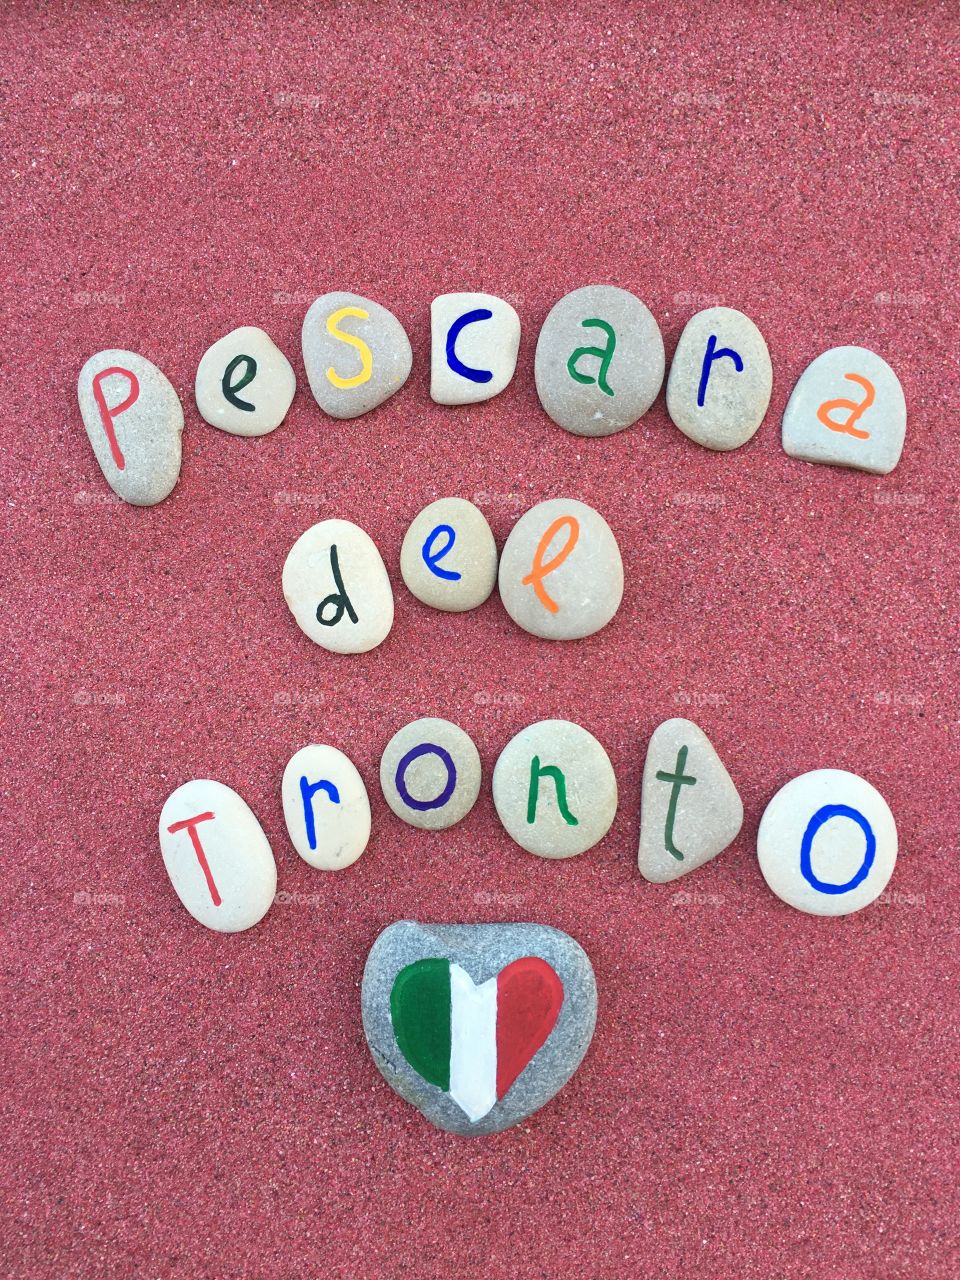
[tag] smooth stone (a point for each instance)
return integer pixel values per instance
(734, 401)
(423, 787)
(325, 807)
(453, 536)
(141, 462)
(583, 592)
(697, 818)
(221, 866)
(486, 347)
(230, 398)
(825, 386)
(478, 1026)
(335, 572)
(616, 395)
(585, 791)
(821, 861)
(373, 354)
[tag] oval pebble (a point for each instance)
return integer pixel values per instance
(356, 354)
(599, 362)
(325, 807)
(847, 410)
(720, 379)
(561, 574)
(134, 421)
(554, 789)
(217, 857)
(827, 843)
(449, 557)
(430, 773)
(244, 383)
(337, 588)
(475, 338)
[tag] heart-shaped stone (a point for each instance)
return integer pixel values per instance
(477, 1025)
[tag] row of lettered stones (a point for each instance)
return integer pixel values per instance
(560, 576)
(827, 841)
(599, 366)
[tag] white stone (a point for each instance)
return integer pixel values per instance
(430, 773)
(134, 420)
(809, 855)
(245, 384)
(221, 866)
(721, 358)
(357, 610)
(356, 354)
(476, 360)
(325, 807)
(831, 389)
(684, 824)
(452, 536)
(555, 814)
(582, 590)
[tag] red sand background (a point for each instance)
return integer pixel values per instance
(768, 1094)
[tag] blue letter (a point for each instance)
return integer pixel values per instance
(711, 355)
(307, 791)
(430, 557)
(464, 370)
(822, 816)
(427, 749)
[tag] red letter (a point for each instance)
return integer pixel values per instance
(190, 824)
(107, 414)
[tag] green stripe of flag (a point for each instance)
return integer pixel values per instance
(420, 1012)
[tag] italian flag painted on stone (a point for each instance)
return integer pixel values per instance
(473, 1041)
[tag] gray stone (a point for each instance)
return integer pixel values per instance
(728, 349)
(486, 345)
(245, 384)
(584, 589)
(684, 824)
(371, 355)
(336, 586)
(464, 1033)
(134, 421)
(438, 790)
(453, 536)
(831, 390)
(821, 861)
(551, 814)
(606, 395)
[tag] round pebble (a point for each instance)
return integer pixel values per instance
(325, 807)
(599, 362)
(475, 338)
(561, 574)
(827, 843)
(449, 557)
(217, 857)
(356, 354)
(134, 421)
(430, 774)
(245, 384)
(554, 789)
(720, 379)
(336, 586)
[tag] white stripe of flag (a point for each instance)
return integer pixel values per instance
(473, 1043)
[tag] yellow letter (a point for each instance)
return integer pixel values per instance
(366, 359)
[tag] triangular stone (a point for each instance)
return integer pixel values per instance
(689, 808)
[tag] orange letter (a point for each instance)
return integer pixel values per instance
(540, 570)
(107, 414)
(856, 410)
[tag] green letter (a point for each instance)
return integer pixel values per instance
(536, 773)
(679, 779)
(603, 354)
